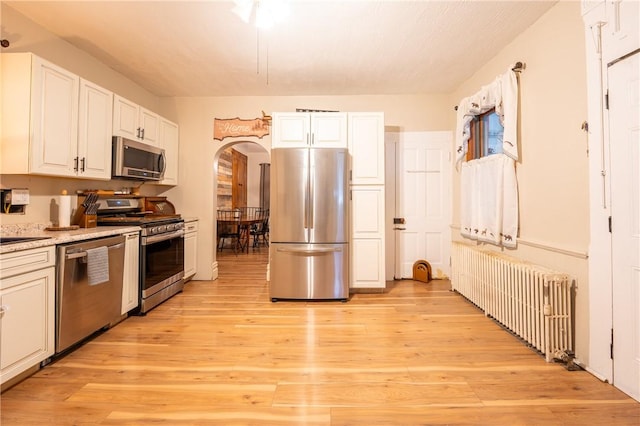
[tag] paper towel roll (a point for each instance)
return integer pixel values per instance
(64, 211)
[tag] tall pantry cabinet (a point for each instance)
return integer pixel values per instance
(363, 134)
(366, 147)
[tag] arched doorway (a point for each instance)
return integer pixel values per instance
(234, 158)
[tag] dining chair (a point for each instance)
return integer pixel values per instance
(260, 230)
(228, 227)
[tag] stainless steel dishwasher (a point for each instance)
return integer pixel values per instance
(89, 288)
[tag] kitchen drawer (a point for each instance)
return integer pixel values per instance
(20, 262)
(191, 226)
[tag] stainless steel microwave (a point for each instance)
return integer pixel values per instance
(136, 160)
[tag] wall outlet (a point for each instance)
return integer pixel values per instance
(14, 201)
(19, 197)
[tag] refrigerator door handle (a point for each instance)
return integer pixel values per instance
(312, 190)
(309, 251)
(307, 200)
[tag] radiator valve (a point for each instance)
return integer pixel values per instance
(567, 359)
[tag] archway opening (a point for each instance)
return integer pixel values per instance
(239, 183)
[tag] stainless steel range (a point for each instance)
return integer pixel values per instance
(161, 271)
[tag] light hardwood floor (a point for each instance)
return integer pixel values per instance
(222, 353)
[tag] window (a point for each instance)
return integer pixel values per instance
(486, 135)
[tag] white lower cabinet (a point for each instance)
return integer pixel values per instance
(367, 237)
(190, 248)
(131, 277)
(367, 264)
(27, 310)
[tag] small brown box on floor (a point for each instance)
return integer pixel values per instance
(422, 271)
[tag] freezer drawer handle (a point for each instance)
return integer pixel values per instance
(309, 251)
(80, 254)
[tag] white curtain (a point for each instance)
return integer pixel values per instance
(489, 189)
(489, 204)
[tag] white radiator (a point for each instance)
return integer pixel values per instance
(533, 302)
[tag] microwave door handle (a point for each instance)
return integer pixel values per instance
(162, 163)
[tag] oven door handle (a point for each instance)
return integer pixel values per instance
(162, 237)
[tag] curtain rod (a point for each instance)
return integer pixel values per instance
(517, 68)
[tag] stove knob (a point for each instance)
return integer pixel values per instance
(171, 227)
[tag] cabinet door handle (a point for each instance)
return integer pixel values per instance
(138, 132)
(82, 164)
(142, 130)
(3, 310)
(75, 164)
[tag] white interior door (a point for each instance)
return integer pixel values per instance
(424, 195)
(624, 139)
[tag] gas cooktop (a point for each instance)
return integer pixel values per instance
(137, 219)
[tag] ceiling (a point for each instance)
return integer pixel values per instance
(201, 48)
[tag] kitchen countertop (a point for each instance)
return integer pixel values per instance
(61, 237)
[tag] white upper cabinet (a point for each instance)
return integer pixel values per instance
(168, 139)
(134, 122)
(328, 130)
(366, 146)
(40, 120)
(94, 131)
(54, 116)
(315, 130)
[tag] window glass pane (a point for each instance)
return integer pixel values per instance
(493, 134)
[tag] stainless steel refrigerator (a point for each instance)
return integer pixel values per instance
(309, 250)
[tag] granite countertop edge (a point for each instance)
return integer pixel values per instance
(61, 237)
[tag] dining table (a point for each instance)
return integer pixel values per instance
(244, 220)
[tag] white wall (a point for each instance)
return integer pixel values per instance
(552, 171)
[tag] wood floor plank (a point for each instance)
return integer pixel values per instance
(222, 353)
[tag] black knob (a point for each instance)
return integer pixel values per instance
(4, 43)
